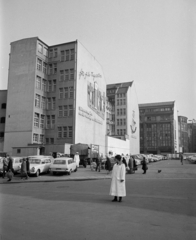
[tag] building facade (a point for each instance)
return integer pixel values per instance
(123, 114)
(183, 133)
(158, 128)
(192, 136)
(3, 103)
(56, 96)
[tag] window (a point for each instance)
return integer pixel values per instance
(64, 132)
(70, 110)
(67, 55)
(43, 103)
(52, 140)
(61, 75)
(47, 140)
(62, 56)
(35, 137)
(49, 104)
(120, 122)
(36, 120)
(121, 111)
(41, 138)
(53, 121)
(117, 122)
(55, 68)
(124, 101)
(59, 132)
(39, 64)
(40, 48)
(50, 69)
(49, 86)
(42, 121)
(117, 112)
(70, 131)
(44, 67)
(71, 93)
(43, 85)
(55, 52)
(66, 92)
(72, 54)
(72, 74)
(2, 119)
(61, 93)
(60, 111)
(51, 53)
(45, 52)
(48, 121)
(65, 114)
(38, 82)
(117, 131)
(117, 102)
(54, 85)
(3, 106)
(124, 111)
(37, 100)
(53, 103)
(66, 74)
(18, 150)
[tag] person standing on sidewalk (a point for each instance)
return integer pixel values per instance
(118, 188)
(24, 169)
(108, 165)
(10, 170)
(5, 165)
(144, 165)
(181, 158)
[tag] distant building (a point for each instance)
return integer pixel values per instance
(183, 133)
(192, 136)
(158, 128)
(123, 114)
(3, 101)
(56, 96)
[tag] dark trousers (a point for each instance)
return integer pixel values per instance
(4, 171)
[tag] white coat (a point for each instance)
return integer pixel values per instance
(77, 160)
(117, 187)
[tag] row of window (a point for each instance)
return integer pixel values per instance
(156, 109)
(121, 102)
(66, 111)
(65, 132)
(66, 92)
(121, 111)
(121, 122)
(45, 86)
(121, 132)
(39, 121)
(66, 75)
(38, 138)
(121, 95)
(43, 103)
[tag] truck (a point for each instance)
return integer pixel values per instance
(87, 153)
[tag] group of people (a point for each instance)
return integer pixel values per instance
(8, 170)
(118, 188)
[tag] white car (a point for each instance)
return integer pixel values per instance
(39, 164)
(63, 165)
(192, 159)
(16, 164)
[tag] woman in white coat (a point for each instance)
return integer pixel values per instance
(118, 188)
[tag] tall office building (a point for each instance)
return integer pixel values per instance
(56, 96)
(3, 101)
(123, 113)
(183, 133)
(159, 128)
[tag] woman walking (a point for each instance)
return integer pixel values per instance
(144, 165)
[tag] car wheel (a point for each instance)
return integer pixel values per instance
(37, 173)
(76, 169)
(54, 173)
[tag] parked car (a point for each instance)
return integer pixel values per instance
(192, 159)
(137, 158)
(63, 165)
(16, 164)
(39, 164)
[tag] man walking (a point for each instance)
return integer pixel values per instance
(181, 158)
(5, 165)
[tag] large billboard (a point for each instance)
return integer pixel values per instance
(90, 123)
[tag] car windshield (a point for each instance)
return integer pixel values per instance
(34, 161)
(59, 161)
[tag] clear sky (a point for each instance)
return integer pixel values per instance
(152, 42)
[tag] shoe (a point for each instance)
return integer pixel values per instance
(8, 180)
(114, 200)
(120, 199)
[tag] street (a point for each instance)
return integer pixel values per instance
(157, 206)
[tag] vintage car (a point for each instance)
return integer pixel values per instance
(63, 165)
(16, 164)
(39, 164)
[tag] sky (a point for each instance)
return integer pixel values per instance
(150, 42)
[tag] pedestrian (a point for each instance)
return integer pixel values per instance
(181, 158)
(77, 159)
(5, 165)
(118, 189)
(28, 166)
(24, 169)
(98, 162)
(131, 165)
(10, 170)
(144, 165)
(108, 165)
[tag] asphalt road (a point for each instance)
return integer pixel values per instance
(158, 206)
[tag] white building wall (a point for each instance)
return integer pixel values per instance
(90, 121)
(117, 146)
(176, 127)
(133, 123)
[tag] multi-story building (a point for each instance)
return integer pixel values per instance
(192, 136)
(158, 128)
(183, 133)
(56, 96)
(3, 101)
(123, 113)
